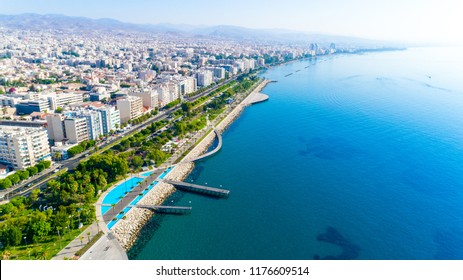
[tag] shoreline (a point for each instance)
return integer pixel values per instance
(127, 230)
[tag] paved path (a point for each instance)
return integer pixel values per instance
(106, 248)
(75, 245)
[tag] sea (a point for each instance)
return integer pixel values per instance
(354, 156)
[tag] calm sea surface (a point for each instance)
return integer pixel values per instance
(353, 157)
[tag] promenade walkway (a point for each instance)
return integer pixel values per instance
(210, 153)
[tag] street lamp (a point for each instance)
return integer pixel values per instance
(59, 237)
(27, 248)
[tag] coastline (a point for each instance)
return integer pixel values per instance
(127, 230)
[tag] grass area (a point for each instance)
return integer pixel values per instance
(45, 250)
(89, 244)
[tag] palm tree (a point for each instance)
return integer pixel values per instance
(57, 156)
(42, 255)
(6, 255)
(88, 236)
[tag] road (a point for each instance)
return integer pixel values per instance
(40, 180)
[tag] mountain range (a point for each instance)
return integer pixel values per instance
(227, 32)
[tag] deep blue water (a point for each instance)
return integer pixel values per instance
(353, 157)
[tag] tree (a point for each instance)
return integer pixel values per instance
(14, 179)
(59, 110)
(186, 107)
(34, 195)
(23, 174)
(46, 163)
(5, 183)
(57, 156)
(40, 166)
(32, 170)
(137, 162)
(11, 236)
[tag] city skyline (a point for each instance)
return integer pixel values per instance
(414, 21)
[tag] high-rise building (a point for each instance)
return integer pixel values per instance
(55, 127)
(218, 72)
(94, 123)
(130, 108)
(76, 129)
(149, 97)
(204, 78)
(110, 119)
(23, 147)
(164, 96)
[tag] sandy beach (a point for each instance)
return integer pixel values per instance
(127, 230)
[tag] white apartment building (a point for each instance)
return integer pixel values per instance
(63, 99)
(110, 119)
(55, 127)
(76, 129)
(9, 101)
(218, 72)
(130, 108)
(187, 85)
(22, 147)
(204, 78)
(94, 123)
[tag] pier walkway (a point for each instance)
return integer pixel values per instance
(162, 208)
(198, 188)
(210, 153)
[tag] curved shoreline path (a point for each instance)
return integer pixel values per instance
(208, 154)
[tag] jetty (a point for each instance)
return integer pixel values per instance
(199, 188)
(162, 208)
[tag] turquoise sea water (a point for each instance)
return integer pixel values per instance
(353, 157)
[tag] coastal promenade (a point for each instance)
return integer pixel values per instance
(126, 230)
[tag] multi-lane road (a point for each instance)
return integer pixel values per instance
(40, 180)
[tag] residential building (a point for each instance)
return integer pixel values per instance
(55, 127)
(149, 97)
(204, 78)
(110, 119)
(94, 123)
(76, 129)
(23, 147)
(62, 99)
(130, 108)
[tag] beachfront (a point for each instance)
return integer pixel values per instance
(127, 230)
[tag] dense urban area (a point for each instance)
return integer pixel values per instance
(81, 111)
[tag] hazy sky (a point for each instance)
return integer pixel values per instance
(409, 20)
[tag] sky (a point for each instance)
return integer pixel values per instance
(398, 20)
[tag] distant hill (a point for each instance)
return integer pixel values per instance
(83, 24)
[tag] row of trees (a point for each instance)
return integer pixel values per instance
(21, 175)
(144, 117)
(83, 146)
